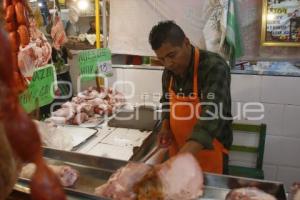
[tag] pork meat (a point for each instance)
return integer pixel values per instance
(121, 184)
(179, 178)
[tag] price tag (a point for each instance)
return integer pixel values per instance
(93, 62)
(40, 90)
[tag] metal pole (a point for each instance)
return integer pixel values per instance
(98, 24)
(104, 23)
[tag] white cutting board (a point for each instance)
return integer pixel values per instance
(126, 137)
(110, 151)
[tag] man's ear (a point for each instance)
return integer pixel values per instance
(186, 42)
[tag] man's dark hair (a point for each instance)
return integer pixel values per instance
(166, 31)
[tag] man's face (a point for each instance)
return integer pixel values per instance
(174, 58)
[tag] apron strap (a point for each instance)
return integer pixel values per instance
(196, 64)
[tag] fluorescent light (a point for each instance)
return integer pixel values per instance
(83, 4)
(40, 4)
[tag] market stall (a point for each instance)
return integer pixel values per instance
(97, 124)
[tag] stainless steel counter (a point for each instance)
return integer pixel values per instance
(94, 171)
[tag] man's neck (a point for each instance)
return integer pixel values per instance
(182, 75)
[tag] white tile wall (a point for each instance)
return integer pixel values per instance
(247, 112)
(291, 119)
(245, 88)
(288, 176)
(117, 80)
(241, 163)
(282, 151)
(148, 81)
(248, 158)
(273, 117)
(270, 172)
(245, 139)
(280, 90)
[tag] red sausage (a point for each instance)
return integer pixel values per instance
(24, 35)
(14, 41)
(21, 14)
(9, 13)
(6, 3)
(10, 26)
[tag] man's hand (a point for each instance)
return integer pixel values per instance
(192, 147)
(165, 136)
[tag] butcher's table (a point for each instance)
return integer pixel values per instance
(95, 171)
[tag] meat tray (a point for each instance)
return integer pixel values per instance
(94, 171)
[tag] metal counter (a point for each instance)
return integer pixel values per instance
(94, 171)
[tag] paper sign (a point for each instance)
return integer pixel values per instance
(40, 90)
(92, 62)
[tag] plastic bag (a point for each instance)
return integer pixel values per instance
(51, 137)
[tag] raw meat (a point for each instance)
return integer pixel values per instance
(179, 178)
(58, 33)
(89, 105)
(120, 184)
(248, 193)
(67, 175)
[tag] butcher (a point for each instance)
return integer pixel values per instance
(196, 98)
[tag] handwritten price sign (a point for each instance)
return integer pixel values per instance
(40, 90)
(95, 62)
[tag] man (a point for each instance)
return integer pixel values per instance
(92, 29)
(196, 98)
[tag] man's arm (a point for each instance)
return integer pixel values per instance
(215, 97)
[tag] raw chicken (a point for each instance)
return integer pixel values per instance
(89, 105)
(67, 113)
(67, 175)
(179, 178)
(120, 184)
(248, 193)
(80, 118)
(58, 33)
(295, 192)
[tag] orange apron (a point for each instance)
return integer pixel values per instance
(183, 116)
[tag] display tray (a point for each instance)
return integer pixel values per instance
(94, 171)
(142, 118)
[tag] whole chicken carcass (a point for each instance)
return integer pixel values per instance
(248, 193)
